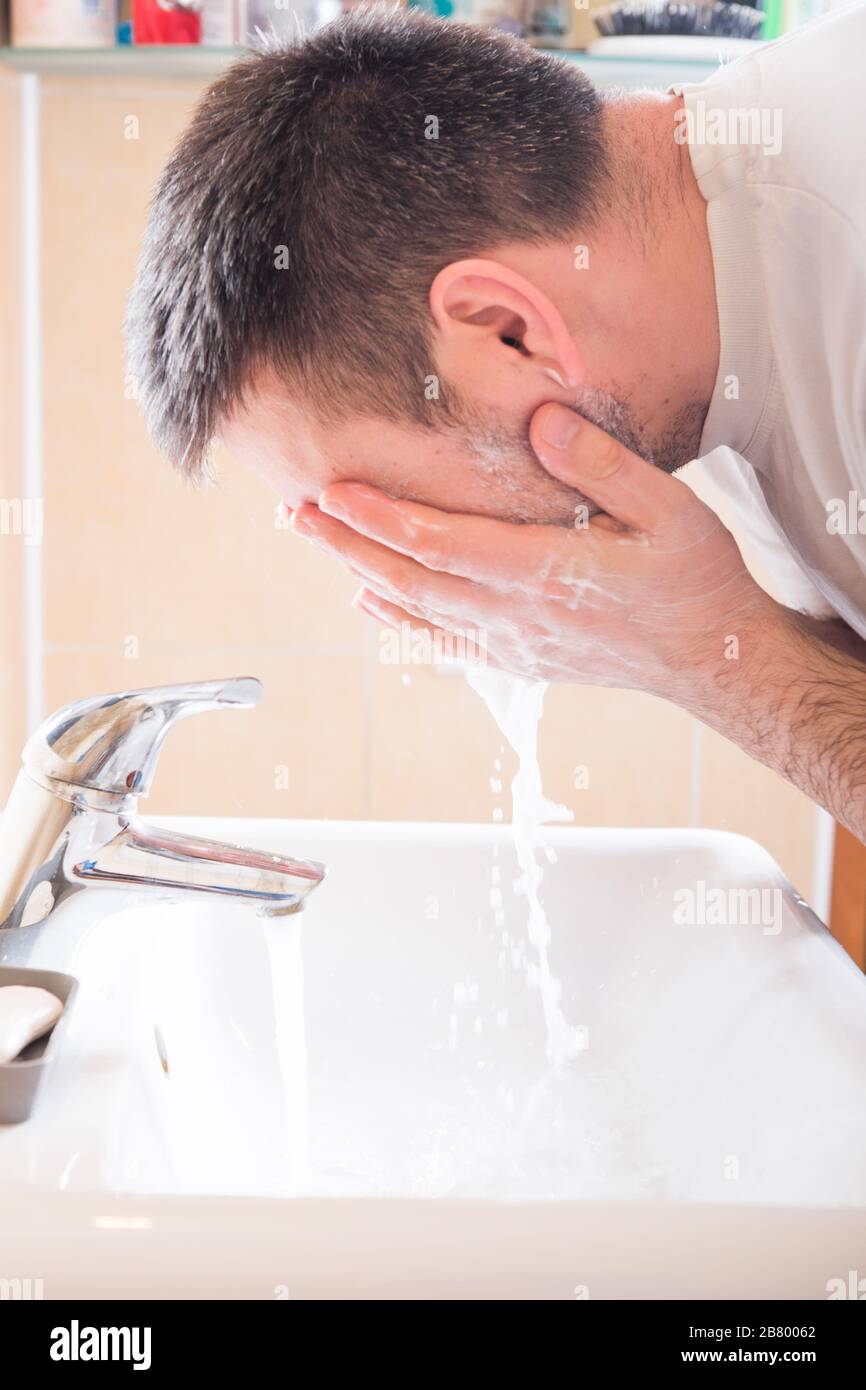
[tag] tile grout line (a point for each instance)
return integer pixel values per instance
(31, 357)
(824, 841)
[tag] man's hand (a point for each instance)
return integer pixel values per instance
(646, 595)
(651, 594)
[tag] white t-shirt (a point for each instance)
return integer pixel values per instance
(778, 145)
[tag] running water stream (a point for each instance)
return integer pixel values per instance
(284, 943)
(516, 705)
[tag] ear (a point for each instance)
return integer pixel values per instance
(478, 303)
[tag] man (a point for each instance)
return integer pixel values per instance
(468, 315)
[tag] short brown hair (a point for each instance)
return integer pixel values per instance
(317, 192)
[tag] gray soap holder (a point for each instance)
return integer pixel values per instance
(20, 1079)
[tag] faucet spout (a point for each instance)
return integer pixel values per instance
(71, 820)
(142, 855)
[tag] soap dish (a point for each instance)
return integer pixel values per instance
(20, 1080)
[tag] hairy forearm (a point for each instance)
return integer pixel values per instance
(796, 701)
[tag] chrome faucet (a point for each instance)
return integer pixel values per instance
(71, 821)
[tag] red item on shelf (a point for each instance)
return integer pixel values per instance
(165, 21)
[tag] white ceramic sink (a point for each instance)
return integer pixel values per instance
(356, 1102)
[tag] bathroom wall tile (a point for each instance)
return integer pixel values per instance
(616, 757)
(146, 580)
(169, 564)
(12, 547)
(299, 753)
(110, 499)
(12, 727)
(433, 747)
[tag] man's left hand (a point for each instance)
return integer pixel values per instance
(647, 594)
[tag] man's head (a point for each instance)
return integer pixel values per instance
(362, 262)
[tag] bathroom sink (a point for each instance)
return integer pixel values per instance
(357, 1101)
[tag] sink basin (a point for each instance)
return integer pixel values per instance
(357, 1102)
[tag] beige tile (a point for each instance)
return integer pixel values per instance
(632, 749)
(143, 555)
(12, 725)
(119, 524)
(193, 584)
(434, 745)
(310, 723)
(12, 548)
(432, 748)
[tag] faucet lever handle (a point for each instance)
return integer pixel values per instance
(111, 743)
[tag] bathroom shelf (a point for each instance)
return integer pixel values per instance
(192, 60)
(151, 60)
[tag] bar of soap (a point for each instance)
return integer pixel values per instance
(26, 1013)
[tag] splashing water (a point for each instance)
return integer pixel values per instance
(516, 705)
